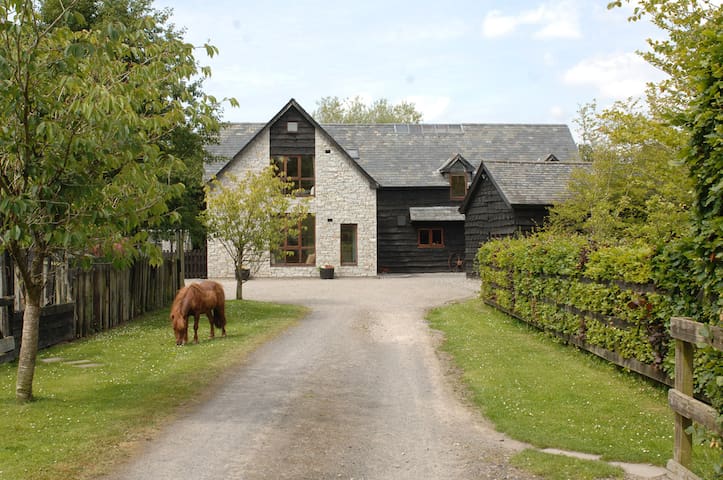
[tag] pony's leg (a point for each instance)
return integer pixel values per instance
(195, 329)
(221, 312)
(185, 332)
(210, 322)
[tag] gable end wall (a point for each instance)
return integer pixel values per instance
(342, 195)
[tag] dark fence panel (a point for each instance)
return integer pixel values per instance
(195, 265)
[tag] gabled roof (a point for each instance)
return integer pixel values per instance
(525, 183)
(234, 138)
(410, 155)
(456, 163)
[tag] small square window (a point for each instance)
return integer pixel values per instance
(292, 127)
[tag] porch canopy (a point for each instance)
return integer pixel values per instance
(435, 214)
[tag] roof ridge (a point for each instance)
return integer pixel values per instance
(536, 162)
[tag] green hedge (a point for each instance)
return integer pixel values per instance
(592, 295)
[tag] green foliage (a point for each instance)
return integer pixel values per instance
(635, 187)
(602, 295)
(572, 287)
(692, 267)
(85, 114)
(251, 215)
(86, 419)
(354, 110)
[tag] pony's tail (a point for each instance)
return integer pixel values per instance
(217, 319)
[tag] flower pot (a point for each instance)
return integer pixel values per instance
(326, 273)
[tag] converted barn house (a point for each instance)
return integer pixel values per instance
(384, 197)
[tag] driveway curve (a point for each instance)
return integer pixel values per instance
(355, 391)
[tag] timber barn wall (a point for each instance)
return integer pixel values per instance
(488, 216)
(397, 235)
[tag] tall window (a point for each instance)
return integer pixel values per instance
(298, 170)
(299, 246)
(348, 244)
(457, 186)
(430, 238)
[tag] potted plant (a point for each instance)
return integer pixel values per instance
(326, 272)
(245, 273)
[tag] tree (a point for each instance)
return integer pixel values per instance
(635, 188)
(185, 142)
(354, 110)
(84, 113)
(691, 268)
(250, 216)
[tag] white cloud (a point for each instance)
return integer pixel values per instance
(431, 108)
(552, 19)
(497, 25)
(614, 76)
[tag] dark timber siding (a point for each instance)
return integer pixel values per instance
(283, 142)
(397, 236)
(488, 216)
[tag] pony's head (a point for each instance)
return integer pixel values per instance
(179, 321)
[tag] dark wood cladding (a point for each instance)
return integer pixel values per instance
(488, 216)
(398, 251)
(283, 142)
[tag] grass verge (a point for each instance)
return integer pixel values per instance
(86, 419)
(553, 396)
(559, 467)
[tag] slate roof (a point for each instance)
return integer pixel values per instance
(435, 214)
(526, 183)
(406, 155)
(411, 155)
(232, 138)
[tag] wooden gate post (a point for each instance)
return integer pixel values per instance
(687, 409)
(683, 450)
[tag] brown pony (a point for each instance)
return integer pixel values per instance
(196, 299)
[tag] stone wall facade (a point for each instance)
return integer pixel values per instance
(342, 195)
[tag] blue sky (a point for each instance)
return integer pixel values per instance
(531, 61)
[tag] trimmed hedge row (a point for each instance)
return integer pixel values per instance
(598, 297)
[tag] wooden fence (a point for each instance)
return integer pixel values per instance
(687, 334)
(195, 264)
(105, 297)
(91, 301)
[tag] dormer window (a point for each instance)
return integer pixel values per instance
(457, 186)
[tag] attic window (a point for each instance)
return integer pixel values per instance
(457, 186)
(292, 127)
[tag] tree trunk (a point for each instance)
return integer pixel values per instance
(29, 345)
(239, 284)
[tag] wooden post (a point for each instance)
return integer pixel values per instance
(181, 251)
(683, 451)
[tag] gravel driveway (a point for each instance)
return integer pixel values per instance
(354, 391)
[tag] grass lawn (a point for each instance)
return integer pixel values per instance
(84, 419)
(551, 395)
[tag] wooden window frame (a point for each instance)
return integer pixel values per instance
(279, 260)
(430, 231)
(296, 178)
(356, 244)
(452, 176)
